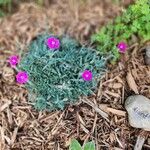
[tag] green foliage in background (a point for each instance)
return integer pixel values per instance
(40, 2)
(5, 5)
(134, 21)
(55, 76)
(75, 145)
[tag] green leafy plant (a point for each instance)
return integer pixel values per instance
(75, 145)
(5, 5)
(55, 77)
(134, 21)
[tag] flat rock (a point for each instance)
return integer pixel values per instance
(138, 108)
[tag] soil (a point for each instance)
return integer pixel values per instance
(100, 117)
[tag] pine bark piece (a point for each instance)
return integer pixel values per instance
(114, 111)
(131, 83)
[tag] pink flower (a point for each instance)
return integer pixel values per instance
(87, 75)
(22, 77)
(53, 43)
(122, 47)
(13, 60)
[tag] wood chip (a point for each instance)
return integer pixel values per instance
(84, 129)
(119, 79)
(131, 83)
(53, 131)
(116, 148)
(14, 135)
(123, 95)
(114, 85)
(119, 142)
(9, 116)
(99, 89)
(4, 106)
(139, 143)
(102, 113)
(113, 94)
(2, 134)
(80, 119)
(116, 112)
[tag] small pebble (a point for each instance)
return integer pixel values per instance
(147, 55)
(138, 108)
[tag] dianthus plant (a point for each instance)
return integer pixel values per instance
(60, 70)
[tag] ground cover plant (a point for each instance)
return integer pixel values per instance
(58, 71)
(134, 21)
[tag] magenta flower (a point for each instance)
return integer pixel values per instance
(87, 75)
(122, 47)
(53, 43)
(22, 77)
(13, 60)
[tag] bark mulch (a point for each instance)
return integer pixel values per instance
(100, 117)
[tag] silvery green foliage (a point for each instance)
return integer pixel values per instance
(55, 76)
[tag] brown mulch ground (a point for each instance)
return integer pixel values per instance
(23, 128)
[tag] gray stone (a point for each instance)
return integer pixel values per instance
(147, 55)
(138, 108)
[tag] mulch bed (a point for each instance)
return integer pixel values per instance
(100, 117)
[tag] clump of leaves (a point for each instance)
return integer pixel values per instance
(55, 76)
(75, 145)
(134, 21)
